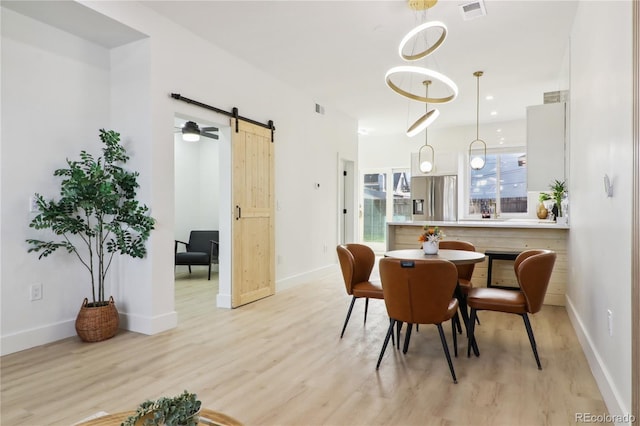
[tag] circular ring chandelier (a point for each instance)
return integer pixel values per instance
(417, 30)
(423, 122)
(424, 72)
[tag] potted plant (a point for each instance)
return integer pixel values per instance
(430, 239)
(180, 410)
(542, 211)
(95, 217)
(558, 192)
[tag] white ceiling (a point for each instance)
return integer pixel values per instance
(338, 51)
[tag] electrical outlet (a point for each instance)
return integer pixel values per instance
(610, 321)
(33, 204)
(35, 292)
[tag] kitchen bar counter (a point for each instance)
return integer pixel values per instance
(489, 223)
(503, 235)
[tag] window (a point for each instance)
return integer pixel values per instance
(500, 185)
(384, 200)
(374, 206)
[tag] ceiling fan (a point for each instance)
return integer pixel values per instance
(191, 132)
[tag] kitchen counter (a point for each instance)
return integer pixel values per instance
(488, 223)
(496, 234)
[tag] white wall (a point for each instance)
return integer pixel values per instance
(50, 82)
(55, 97)
(600, 237)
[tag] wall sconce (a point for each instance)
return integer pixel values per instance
(478, 162)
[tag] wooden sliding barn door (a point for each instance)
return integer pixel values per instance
(253, 252)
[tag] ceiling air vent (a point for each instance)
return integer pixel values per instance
(319, 109)
(472, 10)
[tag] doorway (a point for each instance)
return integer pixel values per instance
(198, 200)
(347, 205)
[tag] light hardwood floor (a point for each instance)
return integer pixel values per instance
(280, 361)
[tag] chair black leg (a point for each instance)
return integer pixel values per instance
(407, 338)
(189, 268)
(393, 340)
(455, 321)
(532, 339)
(459, 327)
(471, 331)
(398, 328)
(209, 271)
(477, 319)
(366, 308)
(386, 341)
(344, 327)
(446, 352)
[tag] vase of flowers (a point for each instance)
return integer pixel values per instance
(430, 239)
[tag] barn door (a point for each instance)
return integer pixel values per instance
(253, 252)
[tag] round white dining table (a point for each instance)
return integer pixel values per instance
(458, 257)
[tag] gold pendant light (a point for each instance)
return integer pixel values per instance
(478, 162)
(425, 165)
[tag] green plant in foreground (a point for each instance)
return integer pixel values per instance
(97, 215)
(178, 410)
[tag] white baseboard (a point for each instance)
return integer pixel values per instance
(609, 391)
(149, 325)
(32, 337)
(223, 301)
(304, 278)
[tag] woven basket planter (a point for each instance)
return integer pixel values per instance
(97, 323)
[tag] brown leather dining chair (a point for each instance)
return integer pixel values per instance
(419, 292)
(356, 262)
(465, 272)
(533, 270)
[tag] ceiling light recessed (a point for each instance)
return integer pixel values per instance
(494, 112)
(489, 97)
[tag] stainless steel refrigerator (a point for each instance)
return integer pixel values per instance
(435, 198)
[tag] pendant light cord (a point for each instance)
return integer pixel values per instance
(426, 110)
(478, 105)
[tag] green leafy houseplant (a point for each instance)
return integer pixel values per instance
(97, 215)
(544, 196)
(558, 191)
(179, 410)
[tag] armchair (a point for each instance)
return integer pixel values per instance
(202, 249)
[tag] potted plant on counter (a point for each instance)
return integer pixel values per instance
(96, 217)
(542, 210)
(558, 193)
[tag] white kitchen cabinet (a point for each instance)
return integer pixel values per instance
(546, 145)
